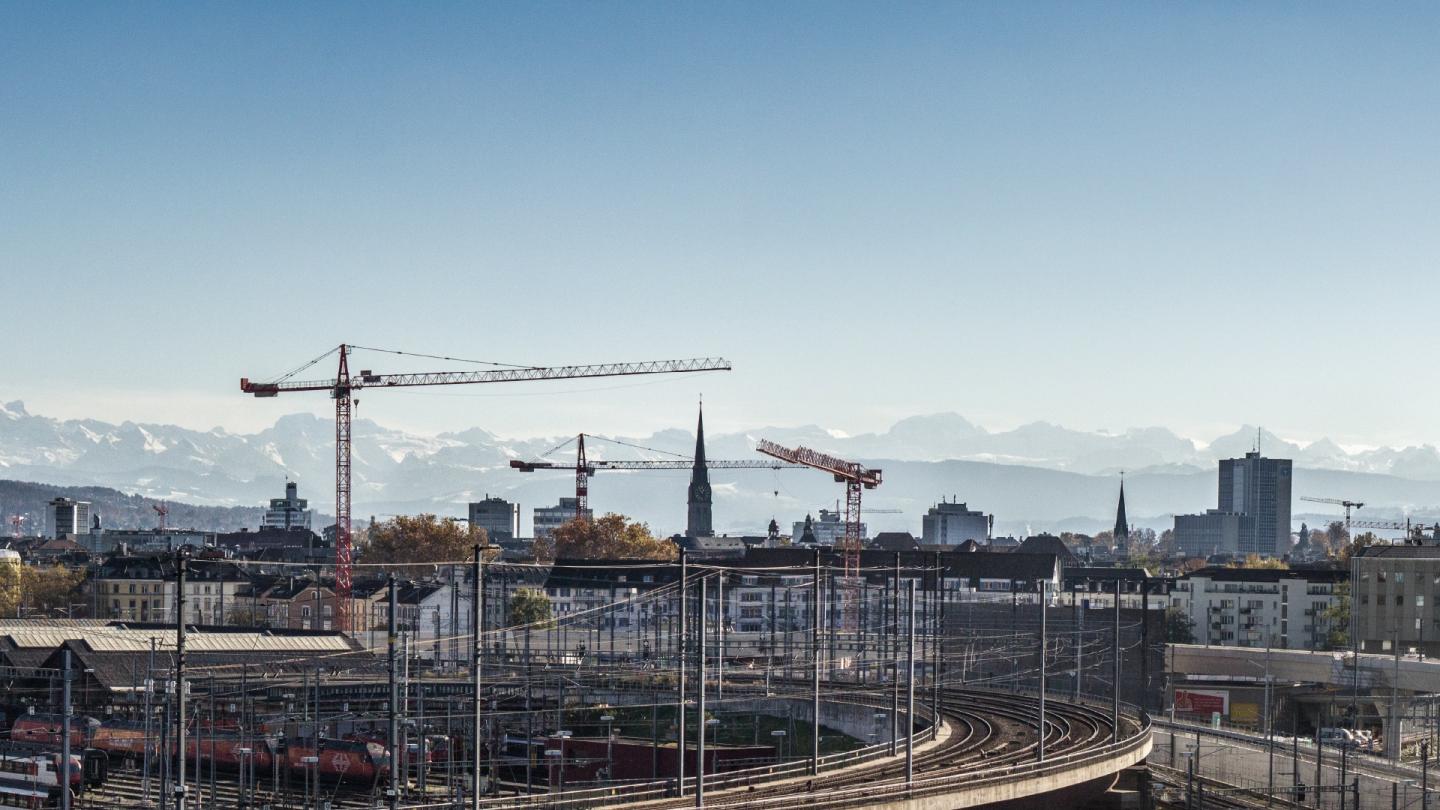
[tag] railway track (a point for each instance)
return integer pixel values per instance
(1216, 794)
(124, 789)
(990, 734)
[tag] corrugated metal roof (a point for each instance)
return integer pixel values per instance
(116, 639)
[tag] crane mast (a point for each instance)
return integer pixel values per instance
(856, 478)
(1348, 504)
(343, 386)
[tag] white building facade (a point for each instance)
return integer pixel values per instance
(1245, 607)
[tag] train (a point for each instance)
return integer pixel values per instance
(30, 778)
(354, 761)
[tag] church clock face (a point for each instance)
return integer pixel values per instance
(702, 492)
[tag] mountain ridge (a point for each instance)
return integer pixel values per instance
(925, 456)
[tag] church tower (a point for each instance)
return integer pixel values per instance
(1122, 526)
(698, 522)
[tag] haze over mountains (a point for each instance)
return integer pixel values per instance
(1037, 476)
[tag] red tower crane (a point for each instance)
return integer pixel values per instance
(17, 522)
(585, 468)
(342, 388)
(854, 476)
(161, 510)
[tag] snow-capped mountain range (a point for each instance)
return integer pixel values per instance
(1036, 476)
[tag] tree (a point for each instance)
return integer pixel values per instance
(418, 542)
(1337, 619)
(612, 537)
(1336, 537)
(1268, 563)
(1192, 565)
(11, 575)
(51, 589)
(1320, 539)
(247, 616)
(1179, 627)
(1352, 548)
(1167, 545)
(530, 606)
(1142, 542)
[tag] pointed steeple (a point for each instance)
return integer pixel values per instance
(698, 521)
(1122, 526)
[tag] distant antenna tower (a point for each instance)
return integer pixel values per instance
(161, 509)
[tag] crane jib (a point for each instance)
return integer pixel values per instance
(493, 376)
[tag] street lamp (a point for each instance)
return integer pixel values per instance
(563, 735)
(609, 720)
(312, 773)
(713, 722)
(779, 735)
(554, 755)
(243, 754)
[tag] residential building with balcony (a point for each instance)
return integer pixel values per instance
(1259, 607)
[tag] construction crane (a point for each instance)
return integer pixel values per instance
(585, 468)
(162, 509)
(343, 387)
(1338, 502)
(17, 523)
(854, 476)
(1414, 530)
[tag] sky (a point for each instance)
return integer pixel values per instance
(1100, 215)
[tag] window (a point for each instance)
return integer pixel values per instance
(1399, 577)
(304, 614)
(1399, 599)
(1420, 600)
(1380, 576)
(132, 587)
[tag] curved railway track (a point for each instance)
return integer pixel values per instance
(991, 735)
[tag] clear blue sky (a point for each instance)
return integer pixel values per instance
(1102, 215)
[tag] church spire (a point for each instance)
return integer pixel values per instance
(1122, 526)
(698, 520)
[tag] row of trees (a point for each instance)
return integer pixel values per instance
(420, 542)
(39, 590)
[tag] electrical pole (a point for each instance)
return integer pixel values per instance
(1115, 708)
(936, 645)
(1040, 747)
(895, 663)
(700, 707)
(1425, 775)
(815, 669)
(65, 742)
(1269, 732)
(149, 688)
(477, 620)
(720, 635)
(680, 682)
(910, 696)
(397, 756)
(181, 560)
